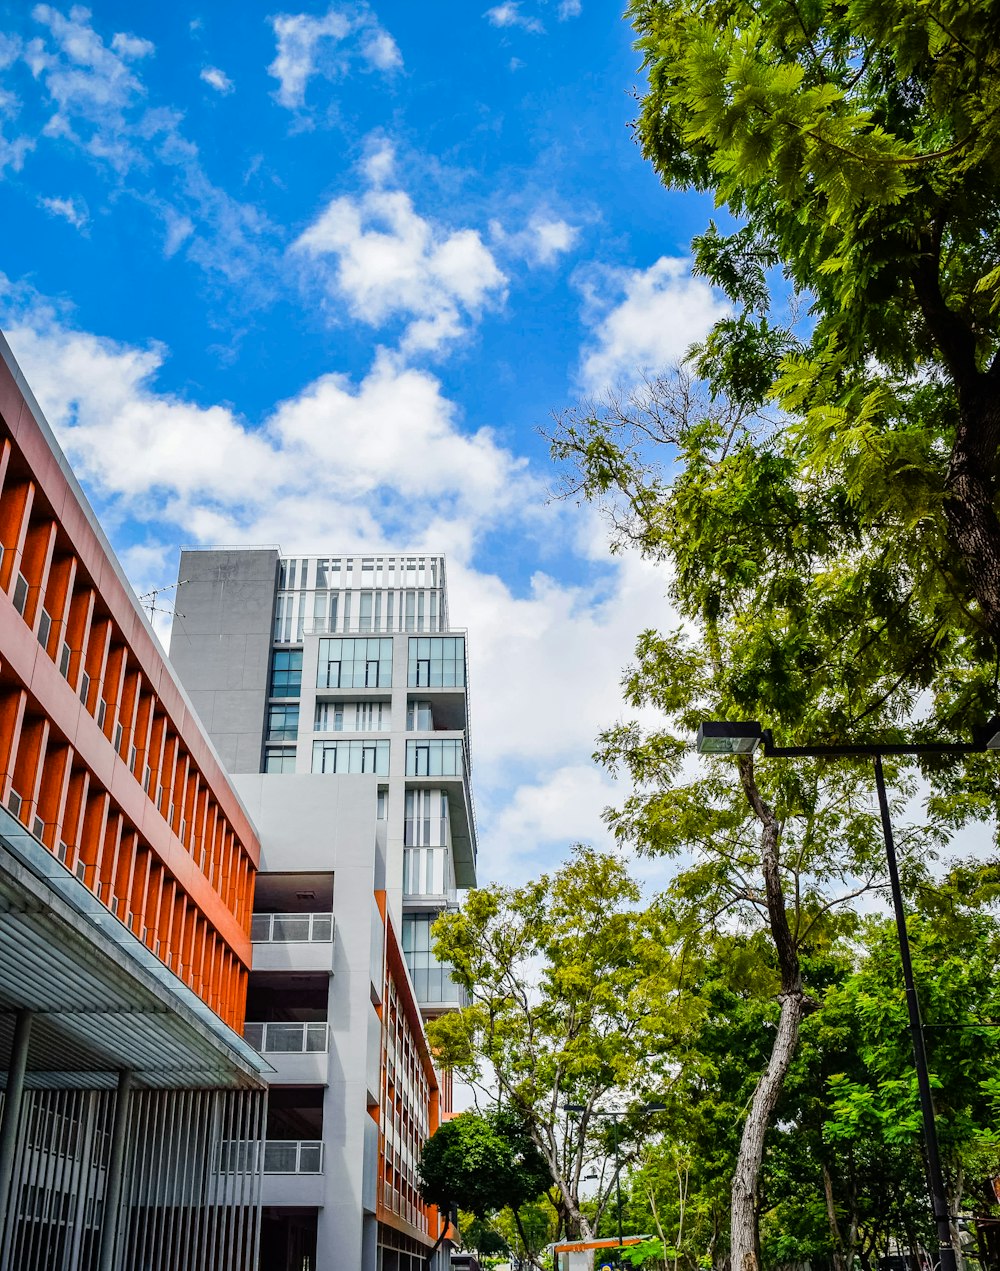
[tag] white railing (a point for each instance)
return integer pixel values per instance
(293, 1156)
(280, 1156)
(291, 928)
(280, 1038)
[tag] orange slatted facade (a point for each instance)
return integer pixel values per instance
(410, 1108)
(101, 758)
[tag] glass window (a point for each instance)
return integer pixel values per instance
(355, 664)
(419, 718)
(351, 757)
(434, 758)
(286, 673)
(432, 980)
(280, 759)
(436, 662)
(283, 723)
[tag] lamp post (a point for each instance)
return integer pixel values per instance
(616, 1117)
(724, 737)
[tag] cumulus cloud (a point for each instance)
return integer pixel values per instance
(541, 242)
(354, 465)
(642, 321)
(327, 46)
(508, 14)
(72, 210)
(333, 463)
(570, 9)
(219, 80)
(377, 254)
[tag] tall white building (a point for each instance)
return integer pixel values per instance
(335, 691)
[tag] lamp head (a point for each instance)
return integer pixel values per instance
(724, 737)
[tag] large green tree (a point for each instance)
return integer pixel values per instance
(797, 626)
(567, 1004)
(857, 146)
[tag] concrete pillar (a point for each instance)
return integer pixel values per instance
(115, 1174)
(12, 1110)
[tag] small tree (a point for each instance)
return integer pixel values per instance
(482, 1164)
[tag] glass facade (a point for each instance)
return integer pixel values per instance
(432, 980)
(283, 723)
(326, 595)
(436, 662)
(354, 664)
(279, 759)
(351, 757)
(286, 673)
(434, 758)
(419, 717)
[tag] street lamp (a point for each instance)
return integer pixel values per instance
(725, 737)
(616, 1117)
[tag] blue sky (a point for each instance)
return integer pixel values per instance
(317, 275)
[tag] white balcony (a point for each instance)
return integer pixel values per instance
(293, 1173)
(292, 929)
(298, 1052)
(292, 941)
(293, 1156)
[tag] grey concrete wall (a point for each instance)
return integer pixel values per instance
(220, 645)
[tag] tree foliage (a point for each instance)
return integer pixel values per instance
(569, 1002)
(857, 145)
(482, 1163)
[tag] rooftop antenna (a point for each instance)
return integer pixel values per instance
(149, 599)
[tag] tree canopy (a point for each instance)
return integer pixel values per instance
(482, 1163)
(857, 147)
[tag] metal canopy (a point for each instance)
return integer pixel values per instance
(103, 1001)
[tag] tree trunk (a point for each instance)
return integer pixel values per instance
(743, 1235)
(839, 1259)
(795, 1005)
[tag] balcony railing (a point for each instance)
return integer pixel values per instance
(281, 1038)
(281, 1156)
(291, 928)
(293, 1156)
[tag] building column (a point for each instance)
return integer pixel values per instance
(115, 1174)
(12, 1110)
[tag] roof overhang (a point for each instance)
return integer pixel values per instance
(102, 1001)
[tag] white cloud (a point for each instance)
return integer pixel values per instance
(326, 46)
(570, 9)
(12, 151)
(354, 465)
(72, 210)
(130, 45)
(542, 241)
(663, 311)
(90, 83)
(524, 829)
(219, 80)
(509, 14)
(388, 263)
(343, 461)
